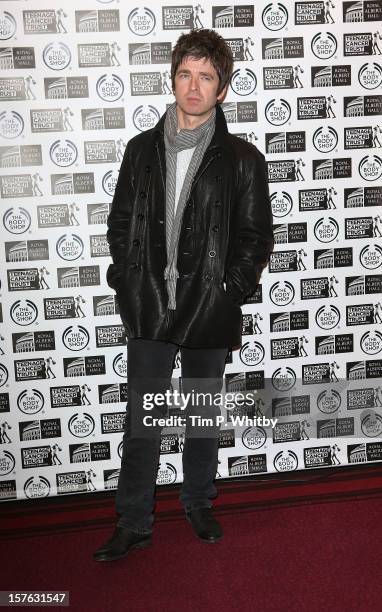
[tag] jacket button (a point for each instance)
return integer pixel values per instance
(212, 253)
(136, 242)
(141, 216)
(215, 228)
(143, 195)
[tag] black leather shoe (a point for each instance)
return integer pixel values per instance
(205, 526)
(120, 544)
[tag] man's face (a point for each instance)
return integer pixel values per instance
(196, 86)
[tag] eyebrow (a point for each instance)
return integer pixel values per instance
(189, 72)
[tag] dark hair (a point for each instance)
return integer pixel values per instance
(204, 44)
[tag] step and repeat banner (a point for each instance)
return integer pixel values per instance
(75, 86)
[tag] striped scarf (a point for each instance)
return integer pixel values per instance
(175, 141)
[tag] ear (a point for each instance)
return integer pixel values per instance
(222, 94)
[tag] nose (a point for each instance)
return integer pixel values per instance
(194, 82)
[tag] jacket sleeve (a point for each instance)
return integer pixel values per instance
(119, 219)
(251, 241)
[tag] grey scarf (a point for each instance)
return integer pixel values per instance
(175, 141)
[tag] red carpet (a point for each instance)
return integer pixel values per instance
(316, 557)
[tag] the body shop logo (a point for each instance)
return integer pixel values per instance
(3, 375)
(283, 379)
(23, 312)
(76, 337)
(166, 474)
(326, 230)
(141, 21)
(120, 365)
(254, 437)
(371, 342)
(145, 117)
(30, 401)
(69, 247)
(325, 139)
(328, 317)
(57, 56)
(109, 182)
(11, 124)
(282, 293)
(63, 153)
(252, 353)
(324, 45)
(81, 425)
(370, 75)
(370, 168)
(371, 256)
(281, 203)
(275, 16)
(110, 87)
(371, 424)
(277, 112)
(7, 25)
(7, 462)
(243, 81)
(285, 461)
(36, 486)
(329, 401)
(16, 220)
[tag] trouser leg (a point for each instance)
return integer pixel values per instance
(150, 365)
(202, 370)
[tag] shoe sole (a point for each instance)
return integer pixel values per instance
(145, 544)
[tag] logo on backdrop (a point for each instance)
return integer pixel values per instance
(243, 81)
(110, 87)
(63, 153)
(275, 16)
(278, 111)
(7, 25)
(57, 56)
(23, 312)
(30, 401)
(16, 220)
(145, 117)
(141, 21)
(324, 45)
(76, 337)
(11, 124)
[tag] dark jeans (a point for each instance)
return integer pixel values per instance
(140, 457)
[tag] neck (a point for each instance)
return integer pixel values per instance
(190, 122)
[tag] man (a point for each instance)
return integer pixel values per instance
(190, 231)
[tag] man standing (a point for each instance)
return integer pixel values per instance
(190, 231)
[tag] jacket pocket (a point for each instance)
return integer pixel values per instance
(114, 275)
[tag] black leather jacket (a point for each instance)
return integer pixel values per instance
(226, 236)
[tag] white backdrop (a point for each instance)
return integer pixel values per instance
(75, 85)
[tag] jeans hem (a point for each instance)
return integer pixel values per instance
(196, 506)
(132, 529)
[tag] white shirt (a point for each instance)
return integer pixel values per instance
(183, 160)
